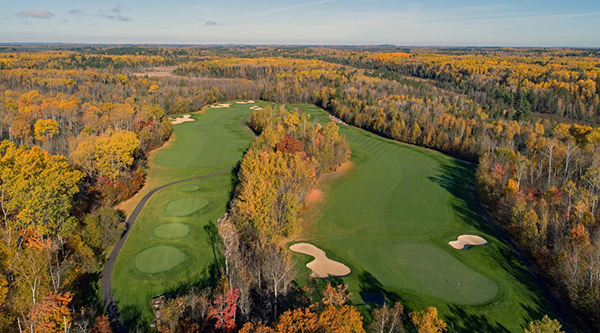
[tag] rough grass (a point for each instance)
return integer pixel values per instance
(215, 141)
(390, 219)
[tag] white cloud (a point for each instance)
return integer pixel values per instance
(35, 13)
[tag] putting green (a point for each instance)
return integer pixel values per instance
(438, 272)
(186, 206)
(159, 259)
(172, 230)
(189, 188)
(389, 218)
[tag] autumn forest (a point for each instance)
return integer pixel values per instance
(514, 133)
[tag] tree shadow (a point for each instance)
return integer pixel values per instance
(213, 238)
(460, 321)
(458, 178)
(235, 180)
(372, 291)
(88, 290)
(131, 316)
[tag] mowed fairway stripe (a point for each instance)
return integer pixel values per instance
(390, 221)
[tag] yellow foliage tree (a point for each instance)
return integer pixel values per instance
(45, 129)
(427, 321)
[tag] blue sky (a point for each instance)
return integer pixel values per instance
(428, 22)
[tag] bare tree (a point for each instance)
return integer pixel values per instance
(388, 319)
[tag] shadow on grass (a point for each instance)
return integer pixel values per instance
(471, 322)
(458, 179)
(372, 291)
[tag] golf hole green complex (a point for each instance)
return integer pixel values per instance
(159, 259)
(186, 206)
(171, 231)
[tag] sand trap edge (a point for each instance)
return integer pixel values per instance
(322, 267)
(464, 242)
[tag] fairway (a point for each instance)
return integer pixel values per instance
(390, 219)
(169, 246)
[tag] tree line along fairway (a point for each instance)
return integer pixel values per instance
(170, 245)
(390, 219)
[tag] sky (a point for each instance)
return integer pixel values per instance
(334, 22)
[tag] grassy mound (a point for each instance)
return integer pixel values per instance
(186, 206)
(159, 259)
(171, 231)
(189, 188)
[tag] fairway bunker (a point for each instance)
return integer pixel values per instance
(248, 102)
(186, 206)
(322, 266)
(219, 106)
(255, 108)
(466, 241)
(159, 259)
(171, 231)
(189, 188)
(180, 120)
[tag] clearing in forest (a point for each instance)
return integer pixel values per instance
(390, 218)
(171, 242)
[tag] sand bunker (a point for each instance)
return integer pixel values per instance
(322, 266)
(186, 117)
(337, 120)
(248, 102)
(466, 241)
(255, 108)
(218, 106)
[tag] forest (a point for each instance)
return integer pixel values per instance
(78, 124)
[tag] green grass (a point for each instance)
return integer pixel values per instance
(390, 220)
(159, 259)
(172, 230)
(169, 246)
(186, 206)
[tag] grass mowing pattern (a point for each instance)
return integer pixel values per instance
(214, 142)
(390, 219)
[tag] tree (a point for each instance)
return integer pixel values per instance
(107, 155)
(45, 129)
(300, 320)
(343, 319)
(51, 314)
(223, 310)
(427, 321)
(544, 325)
(388, 319)
(101, 325)
(36, 190)
(337, 295)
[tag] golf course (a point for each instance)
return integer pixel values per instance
(390, 217)
(170, 245)
(386, 220)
